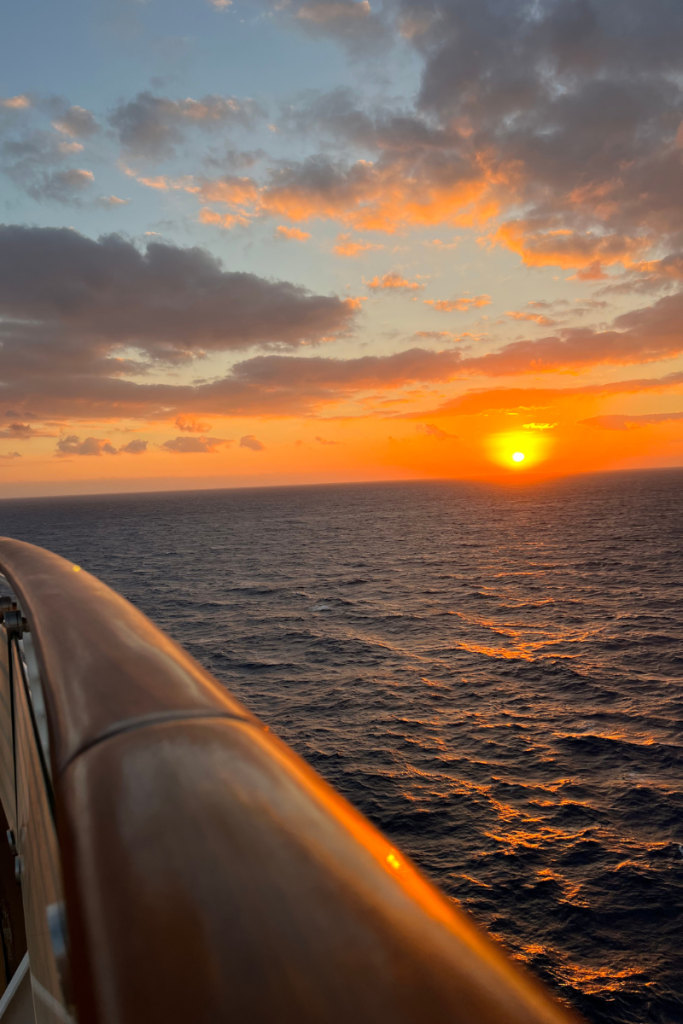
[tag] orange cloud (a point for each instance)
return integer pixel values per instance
(209, 216)
(541, 246)
(393, 282)
(16, 102)
(629, 422)
(593, 272)
(367, 196)
(346, 247)
(506, 400)
(292, 233)
(460, 305)
(536, 318)
(161, 182)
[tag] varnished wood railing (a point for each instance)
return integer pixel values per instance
(179, 864)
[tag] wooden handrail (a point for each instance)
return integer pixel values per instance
(211, 875)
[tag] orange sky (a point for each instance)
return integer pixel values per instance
(376, 243)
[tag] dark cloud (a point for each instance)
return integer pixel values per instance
(33, 160)
(648, 277)
(583, 99)
(641, 336)
(191, 425)
(264, 385)
(74, 313)
(249, 441)
(69, 301)
(286, 385)
(72, 445)
(62, 186)
(22, 432)
(567, 112)
(323, 440)
(189, 445)
(152, 126)
(76, 122)
(281, 384)
(342, 116)
(136, 447)
(11, 455)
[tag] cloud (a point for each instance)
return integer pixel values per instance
(648, 276)
(11, 455)
(221, 5)
(404, 188)
(641, 336)
(626, 422)
(350, 22)
(83, 324)
(72, 445)
(32, 162)
(486, 400)
(347, 247)
(190, 445)
(433, 431)
(65, 296)
(326, 12)
(543, 245)
(135, 447)
(537, 318)
(63, 186)
(460, 305)
(249, 441)
(191, 425)
(22, 431)
(77, 123)
(577, 104)
(294, 234)
(393, 282)
(555, 125)
(152, 126)
(322, 440)
(111, 202)
(276, 385)
(20, 102)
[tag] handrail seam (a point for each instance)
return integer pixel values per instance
(143, 722)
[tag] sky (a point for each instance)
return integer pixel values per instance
(295, 241)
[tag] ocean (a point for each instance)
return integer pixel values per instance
(493, 675)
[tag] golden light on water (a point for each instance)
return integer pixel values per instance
(519, 450)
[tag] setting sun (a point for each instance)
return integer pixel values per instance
(519, 449)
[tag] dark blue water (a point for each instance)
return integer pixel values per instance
(494, 676)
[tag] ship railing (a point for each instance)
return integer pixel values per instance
(175, 862)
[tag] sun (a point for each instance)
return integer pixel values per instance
(519, 451)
